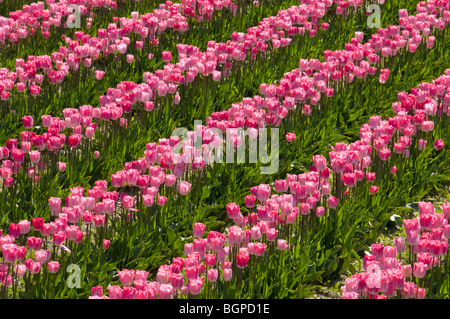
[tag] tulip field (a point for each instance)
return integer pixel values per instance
(224, 149)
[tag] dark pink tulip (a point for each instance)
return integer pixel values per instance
(385, 154)
(349, 179)
(27, 122)
(210, 260)
(34, 243)
(14, 230)
(280, 186)
(59, 238)
(97, 291)
(242, 260)
(74, 140)
(438, 144)
(105, 244)
(10, 252)
(250, 201)
(148, 200)
(232, 210)
(17, 155)
(305, 209)
(99, 220)
(373, 189)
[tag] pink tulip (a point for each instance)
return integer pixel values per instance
(62, 166)
(242, 260)
(250, 201)
(232, 210)
(227, 274)
(59, 238)
(290, 137)
(166, 56)
(28, 122)
(126, 277)
(105, 244)
(195, 286)
(15, 230)
(212, 275)
(115, 292)
(10, 252)
(25, 226)
(99, 74)
(161, 200)
(183, 187)
(35, 267)
(438, 144)
(165, 291)
(199, 230)
(385, 154)
(373, 189)
(419, 269)
(349, 179)
(320, 211)
(332, 202)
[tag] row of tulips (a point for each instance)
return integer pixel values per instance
(42, 16)
(76, 120)
(73, 120)
(131, 205)
(422, 270)
(276, 220)
(273, 211)
(32, 72)
(116, 40)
